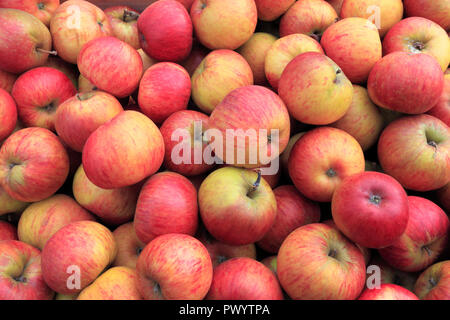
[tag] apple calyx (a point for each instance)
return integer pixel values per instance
(332, 253)
(331, 173)
(139, 250)
(20, 278)
(157, 290)
(316, 35)
(432, 143)
(433, 283)
(129, 16)
(417, 45)
(53, 52)
(221, 259)
(41, 5)
(427, 250)
(255, 185)
(375, 199)
(49, 108)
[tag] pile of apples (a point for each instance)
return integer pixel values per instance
(94, 203)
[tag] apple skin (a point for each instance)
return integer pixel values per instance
(355, 45)
(315, 90)
(41, 9)
(434, 282)
(363, 120)
(237, 219)
(86, 244)
(117, 283)
(185, 120)
(111, 65)
(124, 26)
(337, 5)
(22, 35)
(244, 279)
(147, 62)
(435, 10)
(167, 203)
(84, 85)
(165, 31)
(129, 247)
(283, 51)
(42, 219)
(7, 231)
(309, 17)
(70, 70)
(442, 109)
(198, 53)
(321, 159)
(255, 51)
(269, 10)
(7, 80)
(388, 291)
(293, 211)
(371, 209)
(419, 35)
(164, 89)
(38, 94)
(391, 12)
(212, 19)
(21, 273)
(316, 262)
(406, 82)
(137, 153)
(271, 263)
(8, 114)
(415, 150)
(284, 157)
(174, 267)
(219, 73)
(251, 108)
(33, 164)
(79, 116)
(443, 195)
(68, 39)
(10, 205)
(424, 239)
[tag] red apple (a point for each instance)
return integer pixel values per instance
(444, 196)
(25, 41)
(7, 231)
(147, 62)
(8, 114)
(70, 70)
(434, 282)
(20, 273)
(388, 291)
(435, 10)
(137, 151)
(7, 80)
(165, 30)
(321, 159)
(174, 267)
(244, 279)
(317, 262)
(271, 263)
(269, 10)
(425, 237)
(123, 20)
(415, 150)
(293, 211)
(198, 53)
(33, 164)
(41, 9)
(111, 65)
(129, 247)
(284, 157)
(442, 109)
(8, 204)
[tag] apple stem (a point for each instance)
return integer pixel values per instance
(129, 15)
(256, 184)
(427, 250)
(53, 53)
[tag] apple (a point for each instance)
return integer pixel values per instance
(355, 45)
(317, 262)
(244, 279)
(383, 13)
(111, 65)
(212, 19)
(129, 247)
(442, 109)
(198, 53)
(147, 62)
(337, 5)
(123, 20)
(283, 51)
(425, 237)
(84, 85)
(25, 41)
(33, 164)
(7, 80)
(259, 120)
(406, 82)
(165, 31)
(76, 255)
(388, 291)
(271, 263)
(8, 204)
(137, 151)
(434, 282)
(415, 150)
(42, 219)
(164, 89)
(435, 10)
(8, 114)
(293, 211)
(60, 296)
(269, 10)
(419, 35)
(323, 93)
(70, 70)
(73, 24)
(167, 203)
(371, 209)
(117, 283)
(255, 51)
(247, 206)
(9, 231)
(363, 120)
(284, 157)
(443, 195)
(174, 267)
(220, 72)
(21, 273)
(321, 159)
(309, 17)
(41, 9)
